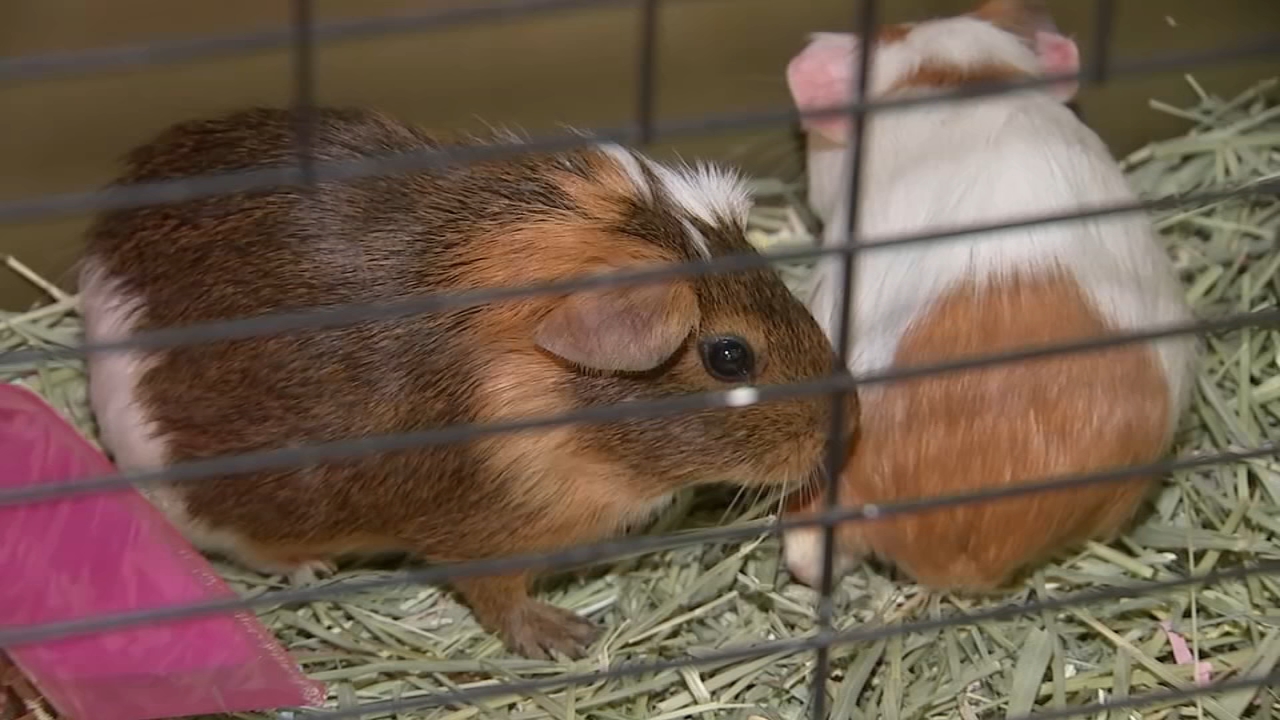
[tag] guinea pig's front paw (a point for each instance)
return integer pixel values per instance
(536, 630)
(310, 571)
(802, 551)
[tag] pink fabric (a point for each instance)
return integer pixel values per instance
(113, 552)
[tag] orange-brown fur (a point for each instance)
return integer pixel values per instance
(930, 75)
(998, 426)
(513, 221)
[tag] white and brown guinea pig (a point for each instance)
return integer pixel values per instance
(982, 162)
(518, 220)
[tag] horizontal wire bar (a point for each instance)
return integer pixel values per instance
(228, 465)
(1263, 46)
(610, 550)
(25, 68)
(1197, 60)
(352, 313)
(171, 191)
(846, 637)
(1157, 696)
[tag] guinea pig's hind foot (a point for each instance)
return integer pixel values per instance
(297, 571)
(537, 630)
(530, 628)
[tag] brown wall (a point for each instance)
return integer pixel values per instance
(715, 56)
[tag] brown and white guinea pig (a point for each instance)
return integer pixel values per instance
(514, 221)
(982, 162)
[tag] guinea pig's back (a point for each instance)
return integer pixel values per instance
(1002, 425)
(289, 249)
(249, 252)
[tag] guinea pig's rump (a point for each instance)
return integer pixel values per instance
(994, 427)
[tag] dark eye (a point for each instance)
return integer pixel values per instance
(728, 358)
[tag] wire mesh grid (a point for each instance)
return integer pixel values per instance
(301, 37)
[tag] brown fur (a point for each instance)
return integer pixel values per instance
(998, 426)
(935, 75)
(518, 220)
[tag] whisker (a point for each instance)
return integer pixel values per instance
(733, 504)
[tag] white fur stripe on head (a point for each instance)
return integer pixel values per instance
(630, 165)
(698, 240)
(713, 194)
(710, 193)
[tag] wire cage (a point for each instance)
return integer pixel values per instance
(822, 692)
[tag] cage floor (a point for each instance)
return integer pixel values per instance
(411, 641)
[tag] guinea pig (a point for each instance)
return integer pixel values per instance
(974, 163)
(535, 217)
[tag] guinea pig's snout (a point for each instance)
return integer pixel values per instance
(815, 437)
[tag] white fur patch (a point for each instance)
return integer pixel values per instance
(697, 238)
(713, 194)
(630, 165)
(110, 315)
(742, 397)
(710, 193)
(802, 551)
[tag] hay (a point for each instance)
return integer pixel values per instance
(412, 641)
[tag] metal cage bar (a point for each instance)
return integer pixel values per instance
(303, 66)
(866, 27)
(646, 71)
(301, 36)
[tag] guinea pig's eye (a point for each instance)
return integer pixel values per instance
(727, 358)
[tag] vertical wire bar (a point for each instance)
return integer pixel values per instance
(646, 71)
(1104, 17)
(866, 25)
(304, 90)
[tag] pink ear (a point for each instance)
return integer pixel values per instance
(820, 77)
(1059, 56)
(626, 329)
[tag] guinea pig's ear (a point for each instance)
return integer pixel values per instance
(1031, 20)
(627, 329)
(1059, 55)
(820, 77)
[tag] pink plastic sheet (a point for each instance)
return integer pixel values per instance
(113, 552)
